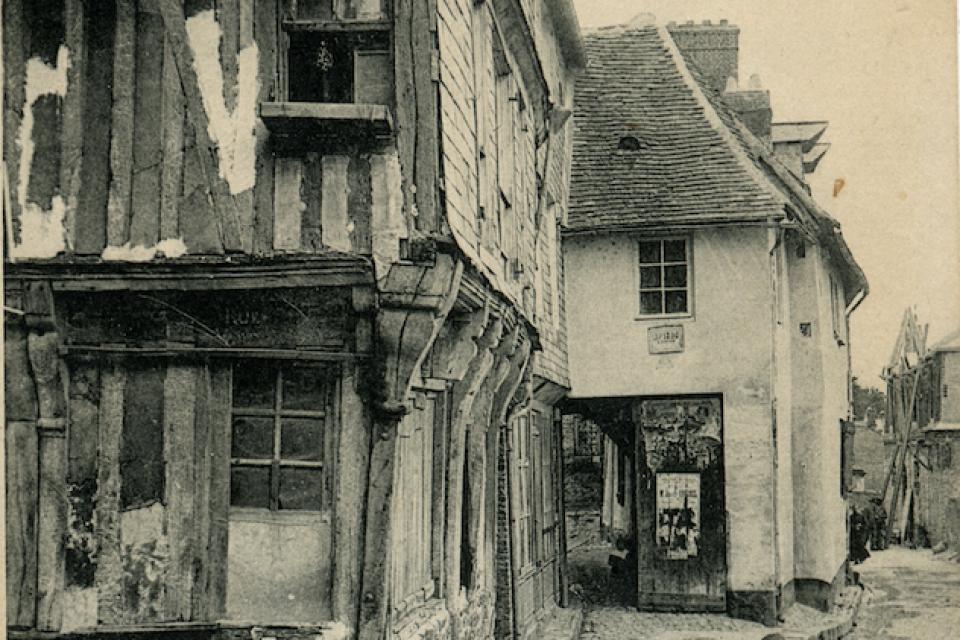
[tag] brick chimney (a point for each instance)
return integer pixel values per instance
(713, 48)
(752, 105)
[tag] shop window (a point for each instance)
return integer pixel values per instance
(277, 438)
(664, 277)
(340, 67)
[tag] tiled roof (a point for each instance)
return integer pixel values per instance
(694, 163)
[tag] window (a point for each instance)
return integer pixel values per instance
(664, 277)
(629, 143)
(521, 434)
(838, 309)
(339, 67)
(278, 436)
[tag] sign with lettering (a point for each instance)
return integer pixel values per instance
(678, 514)
(668, 339)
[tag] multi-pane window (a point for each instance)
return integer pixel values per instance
(664, 277)
(279, 421)
(524, 499)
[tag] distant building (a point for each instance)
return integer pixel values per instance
(708, 303)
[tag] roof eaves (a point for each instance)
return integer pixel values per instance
(571, 35)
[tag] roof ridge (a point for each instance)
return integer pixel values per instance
(715, 121)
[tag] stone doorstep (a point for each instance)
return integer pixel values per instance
(562, 624)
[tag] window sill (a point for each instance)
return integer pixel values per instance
(346, 24)
(666, 316)
(298, 124)
(265, 516)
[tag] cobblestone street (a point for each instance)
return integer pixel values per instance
(908, 594)
(609, 613)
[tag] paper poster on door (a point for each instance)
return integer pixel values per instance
(678, 514)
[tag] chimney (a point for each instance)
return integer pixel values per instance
(752, 105)
(712, 48)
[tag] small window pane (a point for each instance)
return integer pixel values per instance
(250, 487)
(650, 302)
(253, 387)
(649, 277)
(675, 276)
(676, 301)
(300, 488)
(650, 252)
(303, 389)
(674, 250)
(301, 439)
(252, 438)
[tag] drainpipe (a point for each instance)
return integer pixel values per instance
(774, 238)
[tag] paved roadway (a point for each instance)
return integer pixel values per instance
(910, 594)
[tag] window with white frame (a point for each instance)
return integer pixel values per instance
(664, 277)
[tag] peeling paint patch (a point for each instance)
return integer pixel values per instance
(145, 553)
(42, 232)
(170, 248)
(233, 132)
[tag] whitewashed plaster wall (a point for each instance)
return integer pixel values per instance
(728, 345)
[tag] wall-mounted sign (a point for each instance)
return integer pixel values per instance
(668, 339)
(678, 514)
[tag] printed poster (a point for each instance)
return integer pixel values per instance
(678, 514)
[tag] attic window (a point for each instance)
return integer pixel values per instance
(629, 143)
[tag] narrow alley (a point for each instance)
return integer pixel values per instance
(908, 594)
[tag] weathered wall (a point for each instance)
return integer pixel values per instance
(133, 133)
(783, 412)
(820, 386)
(727, 350)
(950, 391)
(938, 507)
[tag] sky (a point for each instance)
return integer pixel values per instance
(884, 73)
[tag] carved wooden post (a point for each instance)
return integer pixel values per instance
(414, 303)
(42, 343)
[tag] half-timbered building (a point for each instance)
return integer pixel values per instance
(284, 315)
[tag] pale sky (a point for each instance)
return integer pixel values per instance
(884, 73)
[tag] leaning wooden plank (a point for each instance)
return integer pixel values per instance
(288, 207)
(148, 123)
(21, 522)
(225, 205)
(121, 145)
(172, 109)
(90, 232)
(179, 400)
(109, 576)
(71, 150)
(350, 488)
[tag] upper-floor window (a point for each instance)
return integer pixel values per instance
(340, 67)
(278, 436)
(838, 309)
(664, 277)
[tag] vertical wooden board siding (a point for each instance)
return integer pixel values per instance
(14, 49)
(51, 525)
(358, 203)
(201, 494)
(198, 225)
(141, 445)
(148, 127)
(265, 33)
(172, 177)
(121, 141)
(333, 210)
(179, 401)
(312, 195)
(287, 206)
(90, 232)
(84, 400)
(219, 497)
(72, 147)
(20, 394)
(109, 574)
(21, 522)
(351, 474)
(45, 23)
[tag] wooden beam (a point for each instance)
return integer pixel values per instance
(71, 150)
(15, 42)
(173, 113)
(221, 392)
(109, 576)
(265, 33)
(121, 140)
(21, 520)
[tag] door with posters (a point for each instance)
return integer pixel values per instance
(681, 527)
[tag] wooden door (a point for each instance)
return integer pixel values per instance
(681, 526)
